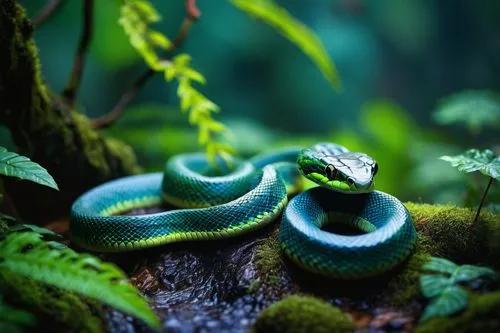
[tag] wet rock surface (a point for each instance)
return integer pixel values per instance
(217, 287)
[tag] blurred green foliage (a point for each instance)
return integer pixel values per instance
(398, 63)
(475, 109)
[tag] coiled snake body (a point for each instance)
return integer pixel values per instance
(250, 196)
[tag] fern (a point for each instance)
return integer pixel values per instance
(299, 34)
(14, 165)
(26, 254)
(135, 18)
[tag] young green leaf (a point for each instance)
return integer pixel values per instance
(440, 265)
(470, 272)
(14, 165)
(474, 108)
(25, 253)
(295, 31)
(450, 301)
(13, 320)
(473, 160)
(433, 285)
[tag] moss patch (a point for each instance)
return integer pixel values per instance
(268, 260)
(54, 309)
(482, 315)
(404, 287)
(447, 231)
(296, 314)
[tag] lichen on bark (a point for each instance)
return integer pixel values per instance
(48, 131)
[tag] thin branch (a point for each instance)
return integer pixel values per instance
(192, 14)
(50, 8)
(482, 199)
(109, 118)
(71, 89)
(192, 10)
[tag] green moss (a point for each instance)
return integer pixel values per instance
(53, 308)
(296, 314)
(267, 260)
(404, 287)
(447, 231)
(481, 315)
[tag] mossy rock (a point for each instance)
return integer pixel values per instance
(296, 314)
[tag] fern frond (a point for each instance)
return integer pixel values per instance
(136, 15)
(25, 253)
(15, 165)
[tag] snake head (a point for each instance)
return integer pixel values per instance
(341, 171)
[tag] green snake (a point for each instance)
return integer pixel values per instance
(250, 195)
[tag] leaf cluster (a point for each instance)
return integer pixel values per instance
(443, 287)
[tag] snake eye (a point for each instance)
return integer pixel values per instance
(330, 171)
(350, 181)
(375, 168)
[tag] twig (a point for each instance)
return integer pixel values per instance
(71, 89)
(50, 8)
(482, 200)
(192, 10)
(192, 14)
(109, 118)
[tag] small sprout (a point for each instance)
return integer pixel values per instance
(475, 160)
(442, 287)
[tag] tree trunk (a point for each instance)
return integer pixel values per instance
(46, 130)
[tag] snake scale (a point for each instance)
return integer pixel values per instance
(250, 195)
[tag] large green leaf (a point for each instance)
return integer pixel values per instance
(433, 285)
(13, 320)
(25, 253)
(295, 31)
(450, 301)
(14, 165)
(470, 272)
(441, 265)
(474, 108)
(475, 160)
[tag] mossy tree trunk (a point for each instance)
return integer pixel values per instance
(46, 130)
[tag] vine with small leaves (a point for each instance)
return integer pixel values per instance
(135, 18)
